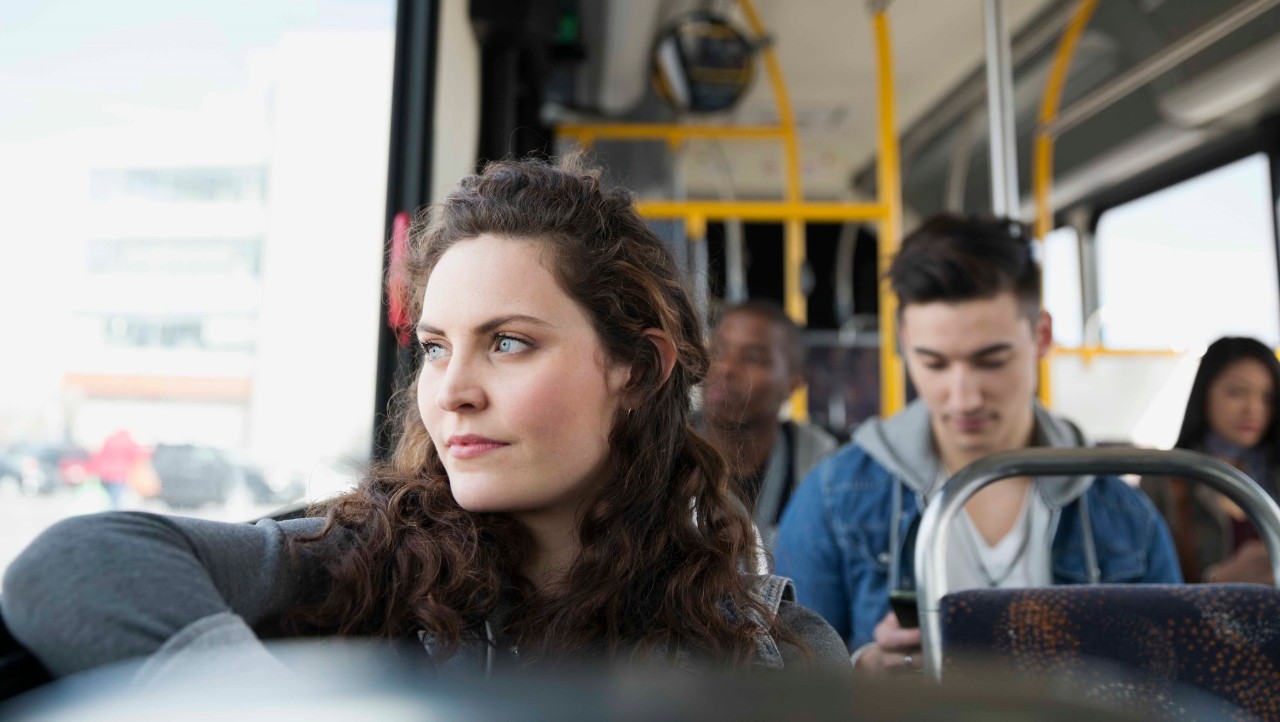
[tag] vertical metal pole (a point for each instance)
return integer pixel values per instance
(796, 303)
(413, 101)
(1087, 251)
(735, 262)
(1004, 151)
(1271, 136)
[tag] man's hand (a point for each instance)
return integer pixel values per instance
(895, 649)
(1250, 563)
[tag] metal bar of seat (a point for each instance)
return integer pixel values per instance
(935, 525)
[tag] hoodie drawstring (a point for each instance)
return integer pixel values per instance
(895, 571)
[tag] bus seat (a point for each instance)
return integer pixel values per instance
(19, 669)
(1222, 639)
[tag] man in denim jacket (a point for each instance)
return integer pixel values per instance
(972, 334)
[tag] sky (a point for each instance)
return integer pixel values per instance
(138, 84)
(67, 64)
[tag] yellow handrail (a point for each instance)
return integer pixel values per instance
(1042, 157)
(1120, 352)
(889, 189)
(1050, 104)
(793, 226)
(793, 210)
(762, 210)
(586, 134)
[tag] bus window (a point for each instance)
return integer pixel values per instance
(1061, 261)
(1192, 262)
(192, 208)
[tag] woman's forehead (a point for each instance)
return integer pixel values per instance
(489, 276)
(1246, 370)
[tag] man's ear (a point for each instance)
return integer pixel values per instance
(1043, 333)
(795, 380)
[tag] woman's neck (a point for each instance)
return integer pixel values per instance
(555, 546)
(1218, 446)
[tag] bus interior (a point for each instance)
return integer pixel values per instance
(202, 202)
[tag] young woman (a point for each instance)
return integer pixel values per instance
(547, 500)
(1231, 414)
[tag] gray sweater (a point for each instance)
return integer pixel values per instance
(99, 589)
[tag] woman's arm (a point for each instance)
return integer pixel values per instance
(104, 588)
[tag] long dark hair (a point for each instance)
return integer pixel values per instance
(663, 545)
(1221, 354)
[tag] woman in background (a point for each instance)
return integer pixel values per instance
(1232, 415)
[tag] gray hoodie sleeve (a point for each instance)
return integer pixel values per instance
(99, 589)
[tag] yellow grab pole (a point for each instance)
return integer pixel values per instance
(779, 211)
(796, 307)
(889, 188)
(1049, 106)
(1042, 158)
(668, 132)
(696, 227)
(786, 118)
(793, 239)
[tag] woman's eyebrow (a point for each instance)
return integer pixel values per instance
(491, 325)
(494, 323)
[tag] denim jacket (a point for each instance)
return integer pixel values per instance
(841, 538)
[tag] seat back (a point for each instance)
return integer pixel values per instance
(1211, 636)
(19, 669)
(935, 523)
(1153, 641)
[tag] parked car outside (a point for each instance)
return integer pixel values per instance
(36, 467)
(22, 471)
(192, 476)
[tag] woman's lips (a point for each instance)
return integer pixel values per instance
(470, 446)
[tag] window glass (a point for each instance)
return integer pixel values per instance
(1060, 260)
(1181, 267)
(192, 201)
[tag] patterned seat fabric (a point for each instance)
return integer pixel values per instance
(1153, 641)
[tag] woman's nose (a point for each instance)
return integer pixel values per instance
(461, 387)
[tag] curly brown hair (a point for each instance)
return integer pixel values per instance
(666, 549)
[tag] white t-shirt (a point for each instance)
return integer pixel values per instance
(1020, 559)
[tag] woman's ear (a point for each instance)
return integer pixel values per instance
(666, 352)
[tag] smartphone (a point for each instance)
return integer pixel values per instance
(903, 602)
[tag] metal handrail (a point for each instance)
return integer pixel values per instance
(935, 525)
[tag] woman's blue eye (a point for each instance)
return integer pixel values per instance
(507, 344)
(433, 350)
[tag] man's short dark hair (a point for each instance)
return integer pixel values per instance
(773, 313)
(952, 258)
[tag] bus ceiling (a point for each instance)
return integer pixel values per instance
(1148, 80)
